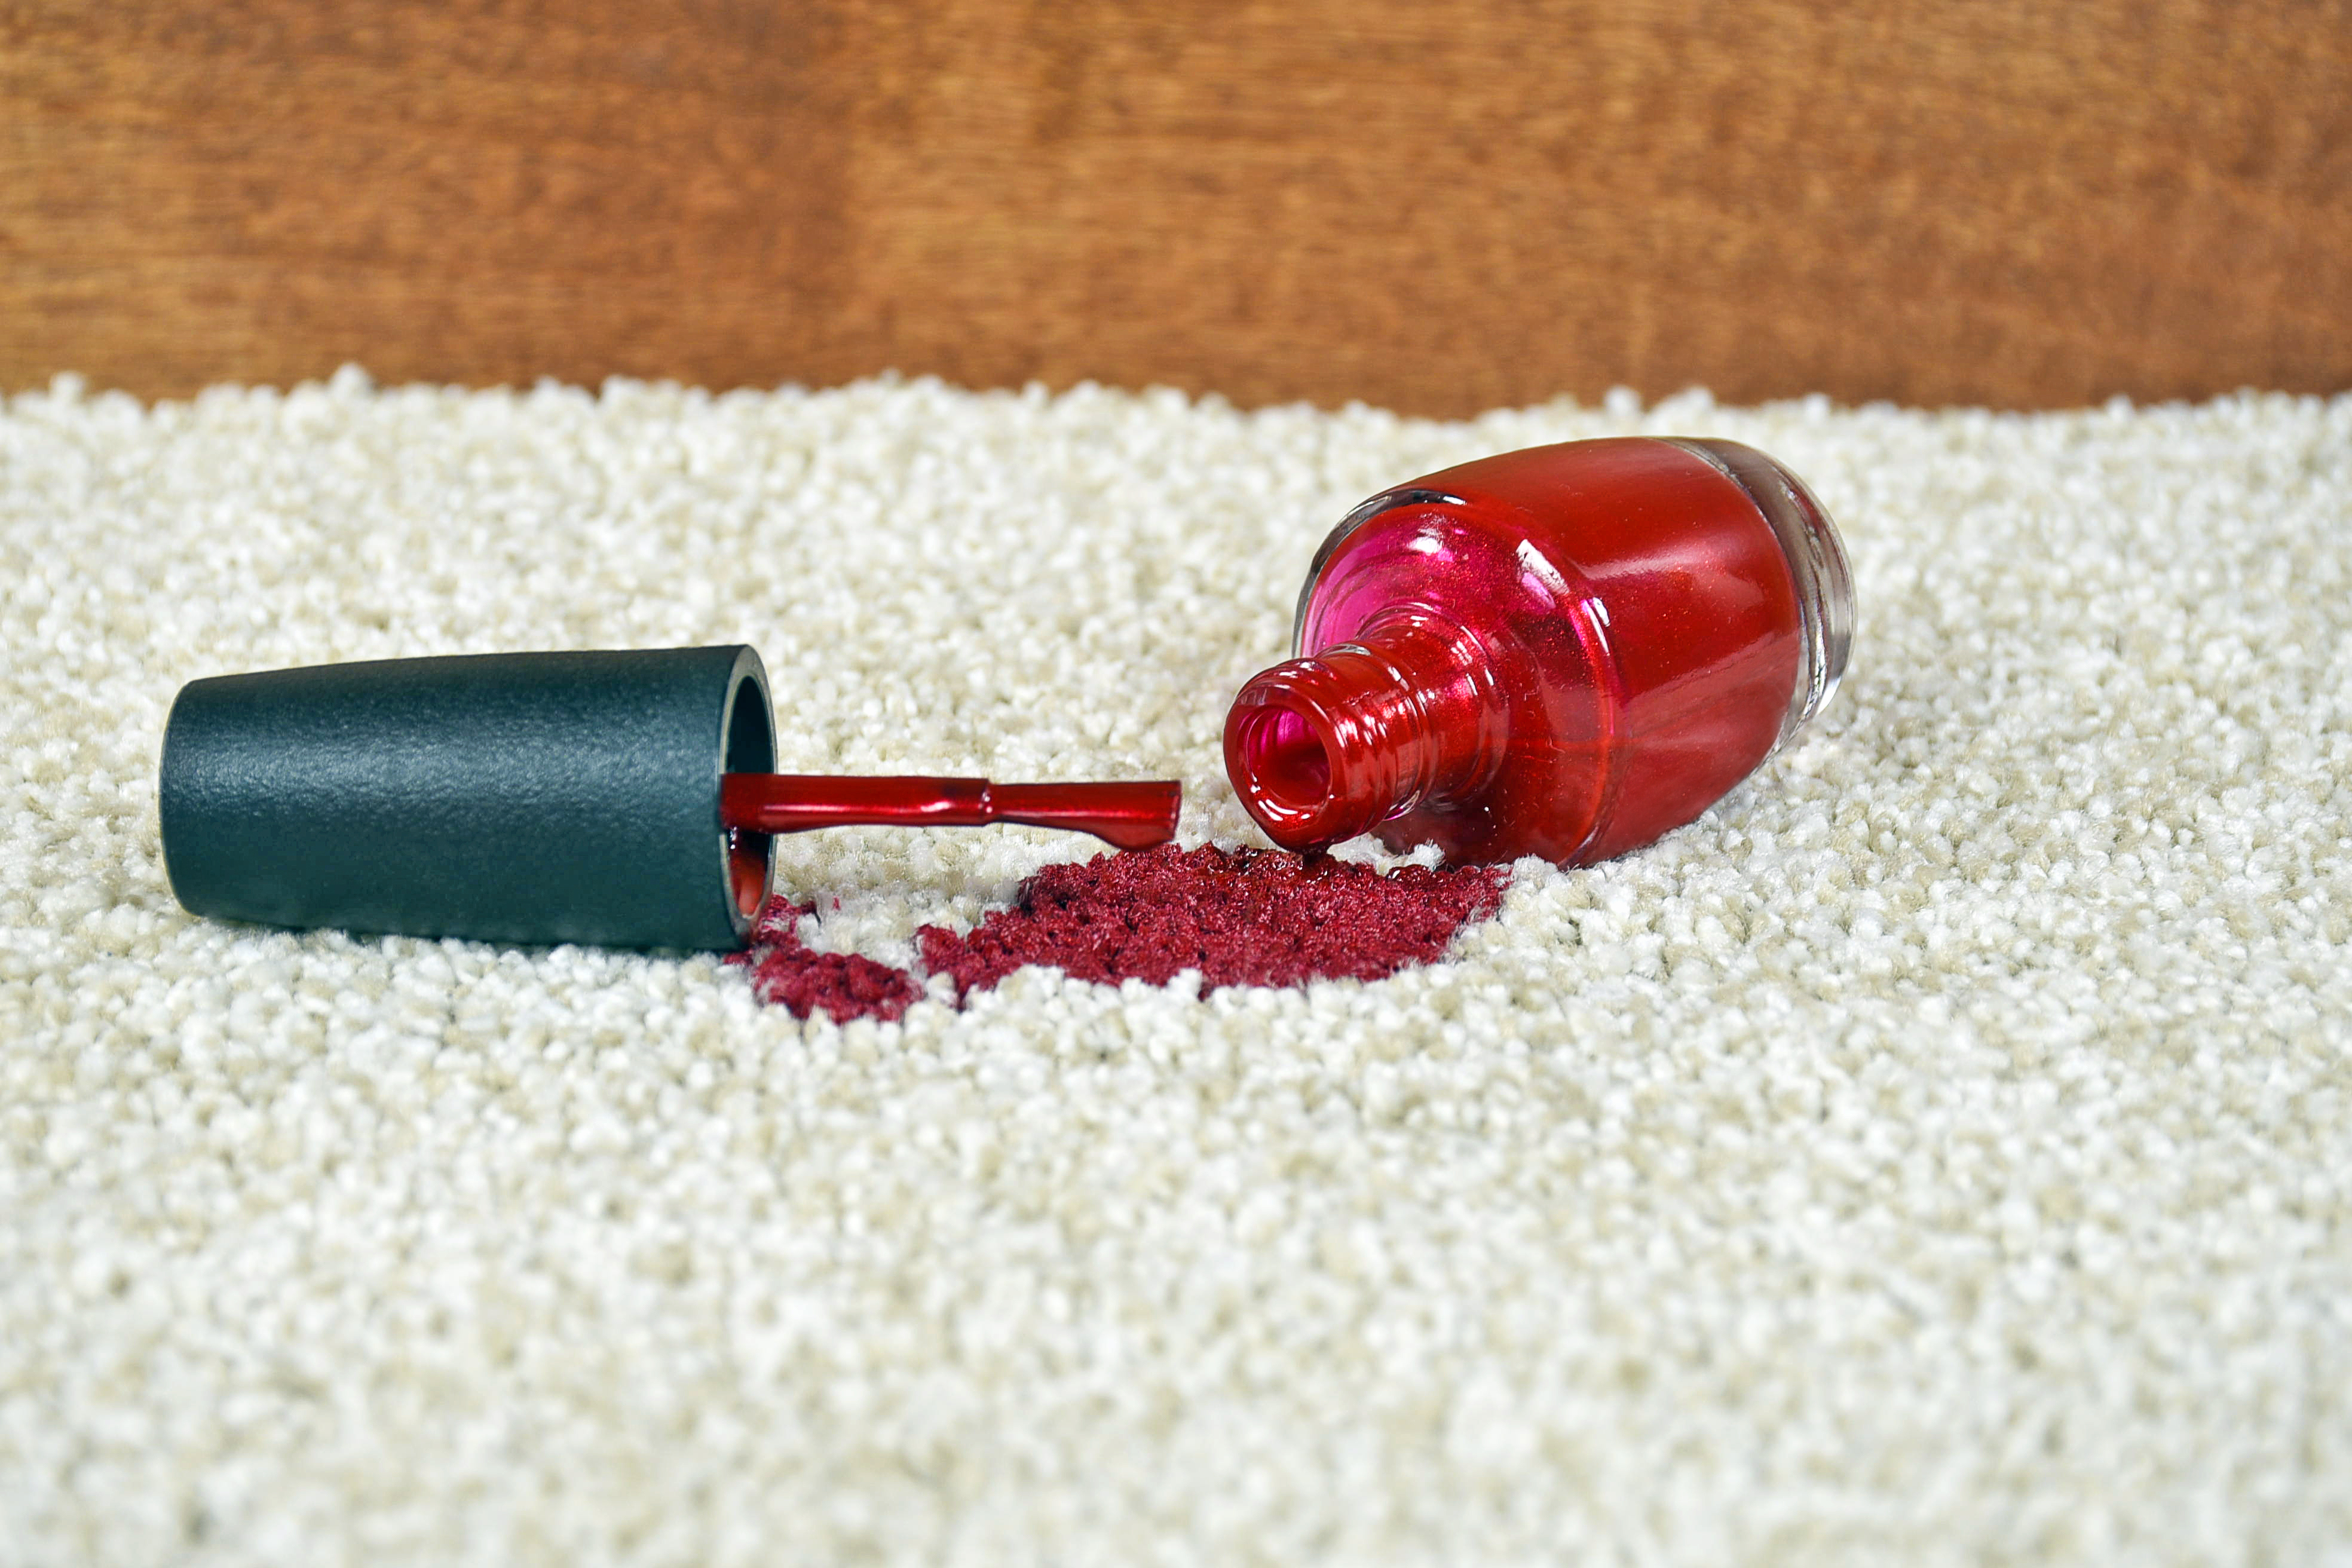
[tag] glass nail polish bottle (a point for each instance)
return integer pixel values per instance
(1564, 651)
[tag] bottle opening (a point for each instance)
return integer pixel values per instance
(1323, 747)
(1282, 756)
(1285, 761)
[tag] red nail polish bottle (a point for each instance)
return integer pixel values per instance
(1565, 651)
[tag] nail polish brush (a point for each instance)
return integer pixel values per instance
(620, 798)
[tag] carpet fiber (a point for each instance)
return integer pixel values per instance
(1940, 1153)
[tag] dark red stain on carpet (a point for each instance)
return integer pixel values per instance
(1246, 917)
(788, 972)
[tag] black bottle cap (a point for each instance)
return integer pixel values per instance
(525, 797)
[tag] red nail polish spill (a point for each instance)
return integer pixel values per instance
(1246, 917)
(1249, 917)
(786, 971)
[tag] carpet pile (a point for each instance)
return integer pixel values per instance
(1939, 1152)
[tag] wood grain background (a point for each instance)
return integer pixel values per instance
(1438, 206)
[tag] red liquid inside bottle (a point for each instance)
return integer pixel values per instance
(1564, 651)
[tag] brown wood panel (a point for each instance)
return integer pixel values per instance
(1434, 206)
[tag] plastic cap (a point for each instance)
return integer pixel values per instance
(525, 797)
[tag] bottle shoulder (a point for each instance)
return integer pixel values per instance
(1484, 568)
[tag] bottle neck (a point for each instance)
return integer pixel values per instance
(1324, 748)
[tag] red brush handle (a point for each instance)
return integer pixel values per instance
(1130, 815)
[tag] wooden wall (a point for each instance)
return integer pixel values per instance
(1434, 205)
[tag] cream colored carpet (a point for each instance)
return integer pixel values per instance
(1940, 1153)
